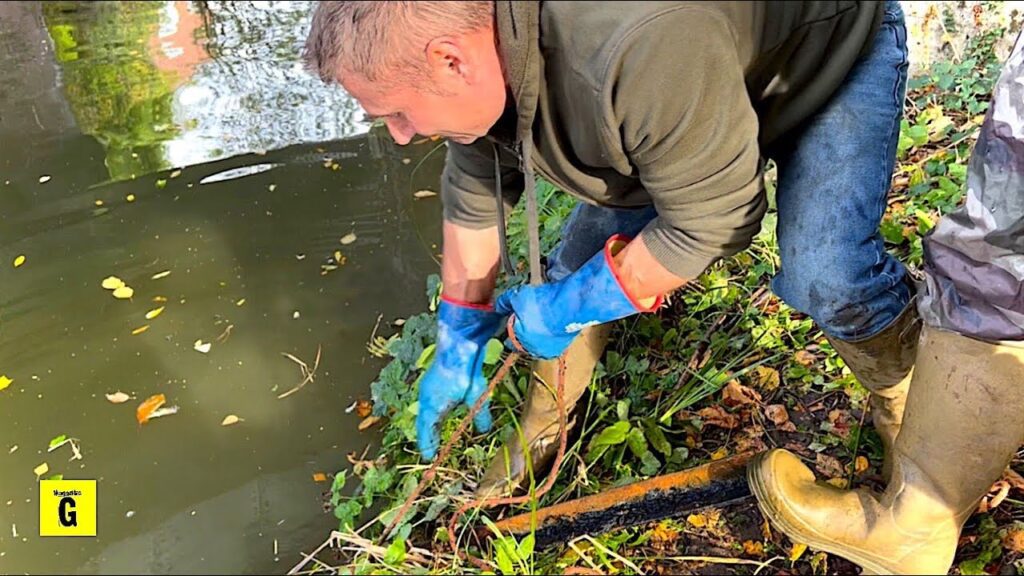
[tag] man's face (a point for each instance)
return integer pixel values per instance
(466, 97)
(461, 116)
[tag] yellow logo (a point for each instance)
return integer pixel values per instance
(67, 508)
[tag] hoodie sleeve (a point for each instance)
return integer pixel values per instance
(689, 129)
(468, 190)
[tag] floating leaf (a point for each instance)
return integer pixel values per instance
(154, 313)
(175, 174)
(19, 260)
(368, 422)
(145, 410)
(161, 183)
(140, 330)
(41, 469)
(348, 238)
(44, 178)
(230, 419)
(98, 202)
(797, 551)
(160, 275)
(56, 477)
(201, 346)
(240, 302)
(159, 299)
(424, 194)
(123, 292)
(5, 382)
(319, 477)
(57, 442)
(272, 187)
(363, 408)
(165, 411)
(130, 198)
(118, 397)
(112, 283)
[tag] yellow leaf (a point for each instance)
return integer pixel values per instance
(697, 520)
(368, 421)
(159, 299)
(112, 283)
(319, 477)
(130, 197)
(752, 548)
(767, 378)
(19, 260)
(41, 469)
(797, 551)
(240, 302)
(5, 382)
(118, 397)
(99, 202)
(720, 453)
(123, 292)
(154, 313)
(860, 465)
(160, 275)
(837, 482)
(140, 330)
(348, 238)
(230, 419)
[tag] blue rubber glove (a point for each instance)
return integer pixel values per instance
(456, 374)
(546, 318)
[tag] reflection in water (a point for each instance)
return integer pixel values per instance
(164, 84)
(243, 211)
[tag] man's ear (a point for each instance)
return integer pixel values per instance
(447, 63)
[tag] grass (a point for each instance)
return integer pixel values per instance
(725, 367)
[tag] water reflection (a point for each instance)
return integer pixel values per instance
(163, 84)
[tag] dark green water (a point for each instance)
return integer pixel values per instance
(107, 100)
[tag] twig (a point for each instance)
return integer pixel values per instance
(307, 557)
(443, 454)
(308, 374)
(718, 560)
(225, 334)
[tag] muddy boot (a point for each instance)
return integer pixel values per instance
(539, 422)
(962, 426)
(884, 365)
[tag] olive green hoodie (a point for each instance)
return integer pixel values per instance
(625, 104)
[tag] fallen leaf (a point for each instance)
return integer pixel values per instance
(664, 534)
(160, 183)
(44, 178)
(718, 416)
(840, 483)
(130, 197)
(201, 346)
(752, 548)
(272, 187)
(165, 411)
(240, 302)
(719, 454)
(98, 202)
(112, 283)
(57, 442)
(175, 174)
(41, 469)
(368, 422)
(697, 520)
(319, 477)
(160, 275)
(140, 329)
(735, 394)
(154, 313)
(118, 397)
(5, 382)
(797, 551)
(230, 419)
(1011, 476)
(159, 299)
(363, 408)
(766, 378)
(766, 531)
(19, 260)
(123, 292)
(829, 466)
(840, 420)
(145, 410)
(805, 358)
(780, 417)
(1014, 540)
(860, 464)
(424, 194)
(348, 238)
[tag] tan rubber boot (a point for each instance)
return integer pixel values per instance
(962, 426)
(884, 364)
(539, 422)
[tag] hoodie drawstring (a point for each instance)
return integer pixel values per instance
(532, 213)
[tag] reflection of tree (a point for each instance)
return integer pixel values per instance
(116, 92)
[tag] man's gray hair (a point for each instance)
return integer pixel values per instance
(376, 39)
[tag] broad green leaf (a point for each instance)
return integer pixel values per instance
(612, 435)
(526, 546)
(493, 351)
(395, 553)
(656, 437)
(426, 357)
(622, 409)
(637, 443)
(504, 558)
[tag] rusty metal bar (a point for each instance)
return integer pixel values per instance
(671, 495)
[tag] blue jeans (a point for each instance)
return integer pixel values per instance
(834, 176)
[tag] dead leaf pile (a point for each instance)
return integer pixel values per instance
(779, 416)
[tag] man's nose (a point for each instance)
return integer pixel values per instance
(401, 132)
